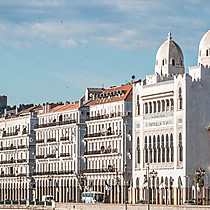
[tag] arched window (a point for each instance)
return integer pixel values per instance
(172, 104)
(150, 107)
(154, 106)
(146, 149)
(180, 148)
(167, 149)
(163, 148)
(150, 155)
(146, 108)
(180, 99)
(163, 105)
(158, 106)
(167, 105)
(138, 105)
(138, 150)
(154, 150)
(173, 62)
(163, 62)
(146, 155)
(207, 52)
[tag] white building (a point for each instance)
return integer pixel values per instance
(17, 156)
(171, 116)
(59, 137)
(108, 141)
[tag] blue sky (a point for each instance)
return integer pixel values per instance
(51, 50)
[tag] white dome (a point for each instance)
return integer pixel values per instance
(204, 50)
(169, 58)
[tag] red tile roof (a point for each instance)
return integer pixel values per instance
(126, 95)
(65, 107)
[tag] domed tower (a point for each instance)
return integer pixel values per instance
(204, 50)
(169, 58)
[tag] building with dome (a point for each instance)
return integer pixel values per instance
(171, 117)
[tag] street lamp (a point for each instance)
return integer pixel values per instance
(199, 179)
(149, 174)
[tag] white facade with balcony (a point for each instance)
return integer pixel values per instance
(59, 134)
(107, 141)
(17, 157)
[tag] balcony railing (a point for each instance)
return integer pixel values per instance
(98, 152)
(7, 175)
(112, 115)
(102, 134)
(66, 138)
(39, 141)
(55, 124)
(100, 170)
(55, 172)
(7, 161)
(39, 156)
(65, 154)
(22, 146)
(51, 156)
(51, 140)
(21, 161)
(8, 148)
(10, 134)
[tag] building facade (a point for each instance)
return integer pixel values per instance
(59, 143)
(108, 142)
(170, 128)
(17, 156)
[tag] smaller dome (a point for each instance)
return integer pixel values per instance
(169, 58)
(204, 50)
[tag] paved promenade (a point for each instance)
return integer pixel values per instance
(106, 207)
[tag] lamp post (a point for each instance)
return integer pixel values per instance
(149, 174)
(199, 179)
(127, 155)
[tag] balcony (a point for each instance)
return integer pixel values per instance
(22, 146)
(7, 161)
(67, 154)
(10, 134)
(51, 140)
(100, 117)
(7, 175)
(39, 156)
(39, 141)
(51, 124)
(102, 134)
(21, 161)
(8, 148)
(51, 156)
(101, 152)
(54, 172)
(66, 172)
(66, 138)
(100, 170)
(47, 173)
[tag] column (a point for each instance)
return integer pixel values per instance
(175, 196)
(161, 196)
(157, 196)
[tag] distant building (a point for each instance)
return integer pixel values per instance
(3, 103)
